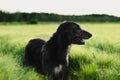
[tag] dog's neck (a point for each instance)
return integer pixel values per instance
(59, 42)
(58, 47)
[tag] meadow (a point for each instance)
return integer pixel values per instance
(98, 59)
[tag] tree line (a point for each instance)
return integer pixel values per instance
(36, 17)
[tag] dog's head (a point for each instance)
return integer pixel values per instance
(73, 33)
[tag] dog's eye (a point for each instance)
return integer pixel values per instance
(75, 30)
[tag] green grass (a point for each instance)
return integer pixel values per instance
(98, 59)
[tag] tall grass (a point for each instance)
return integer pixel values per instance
(99, 59)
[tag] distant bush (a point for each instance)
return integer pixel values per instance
(32, 22)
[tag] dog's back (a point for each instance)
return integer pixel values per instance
(33, 55)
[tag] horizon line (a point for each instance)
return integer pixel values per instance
(61, 13)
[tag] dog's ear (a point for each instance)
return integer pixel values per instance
(63, 38)
(59, 40)
(67, 37)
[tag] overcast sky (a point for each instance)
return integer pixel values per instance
(78, 7)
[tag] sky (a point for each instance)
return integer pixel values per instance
(66, 7)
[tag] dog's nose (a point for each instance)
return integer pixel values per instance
(90, 35)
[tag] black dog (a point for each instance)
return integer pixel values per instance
(51, 57)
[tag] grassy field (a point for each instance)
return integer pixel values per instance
(99, 59)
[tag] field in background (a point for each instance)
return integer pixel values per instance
(99, 59)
